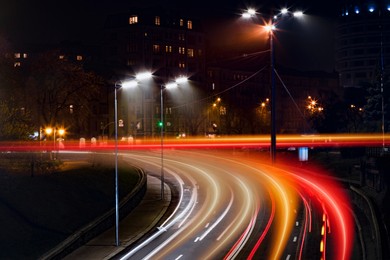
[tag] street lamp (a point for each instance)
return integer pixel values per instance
(117, 86)
(270, 28)
(178, 81)
(48, 131)
(61, 133)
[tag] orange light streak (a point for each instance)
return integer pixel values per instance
(259, 141)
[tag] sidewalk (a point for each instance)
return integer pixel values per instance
(141, 220)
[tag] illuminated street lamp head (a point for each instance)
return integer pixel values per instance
(284, 11)
(269, 27)
(249, 13)
(129, 84)
(143, 75)
(61, 131)
(171, 85)
(181, 79)
(48, 130)
(298, 14)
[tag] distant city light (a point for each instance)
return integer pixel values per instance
(357, 11)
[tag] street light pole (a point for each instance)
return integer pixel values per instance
(116, 167)
(162, 88)
(273, 98)
(270, 29)
(162, 140)
(118, 85)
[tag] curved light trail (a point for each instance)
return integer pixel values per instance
(246, 208)
(235, 205)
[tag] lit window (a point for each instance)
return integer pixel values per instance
(17, 55)
(182, 65)
(190, 53)
(79, 57)
(189, 24)
(182, 50)
(156, 48)
(133, 19)
(157, 20)
(25, 55)
(17, 64)
(61, 57)
(181, 22)
(168, 48)
(71, 109)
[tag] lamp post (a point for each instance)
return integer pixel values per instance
(61, 133)
(273, 95)
(48, 131)
(117, 86)
(161, 125)
(270, 28)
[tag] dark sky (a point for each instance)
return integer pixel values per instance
(56, 20)
(53, 21)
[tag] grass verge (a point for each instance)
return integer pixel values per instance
(39, 212)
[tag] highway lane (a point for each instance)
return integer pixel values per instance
(213, 225)
(237, 206)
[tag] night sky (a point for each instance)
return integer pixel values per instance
(54, 21)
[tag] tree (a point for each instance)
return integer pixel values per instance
(15, 120)
(331, 119)
(61, 91)
(373, 110)
(15, 123)
(354, 101)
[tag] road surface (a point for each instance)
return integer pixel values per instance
(236, 205)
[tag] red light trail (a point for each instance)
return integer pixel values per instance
(260, 141)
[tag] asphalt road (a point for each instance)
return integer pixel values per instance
(236, 205)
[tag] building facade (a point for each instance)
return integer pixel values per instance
(163, 42)
(363, 42)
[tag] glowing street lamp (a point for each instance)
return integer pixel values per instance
(118, 85)
(54, 131)
(61, 132)
(170, 85)
(270, 28)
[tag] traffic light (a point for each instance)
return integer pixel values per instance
(160, 124)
